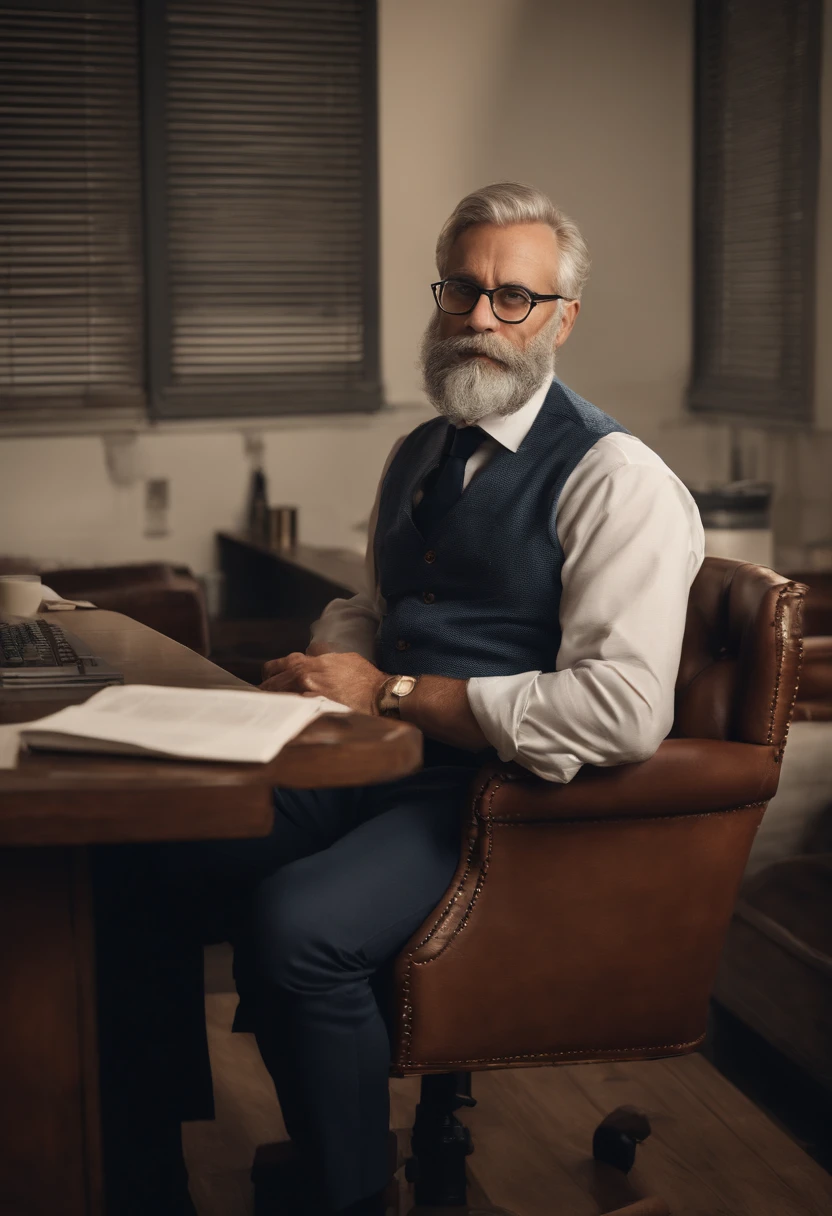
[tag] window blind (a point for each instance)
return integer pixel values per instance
(70, 249)
(757, 149)
(270, 178)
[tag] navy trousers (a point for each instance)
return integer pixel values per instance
(315, 911)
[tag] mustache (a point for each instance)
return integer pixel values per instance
(446, 352)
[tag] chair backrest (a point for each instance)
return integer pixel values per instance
(740, 656)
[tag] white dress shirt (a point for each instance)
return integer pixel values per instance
(632, 541)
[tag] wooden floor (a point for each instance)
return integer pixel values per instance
(712, 1153)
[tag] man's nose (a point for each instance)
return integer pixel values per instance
(482, 319)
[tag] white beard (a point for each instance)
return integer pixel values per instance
(466, 391)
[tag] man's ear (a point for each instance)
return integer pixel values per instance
(571, 309)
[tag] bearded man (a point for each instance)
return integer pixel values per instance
(528, 574)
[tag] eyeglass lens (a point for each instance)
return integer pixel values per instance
(510, 303)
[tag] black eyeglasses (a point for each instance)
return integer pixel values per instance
(511, 305)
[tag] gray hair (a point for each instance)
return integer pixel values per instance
(512, 203)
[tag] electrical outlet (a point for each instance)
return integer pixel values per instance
(254, 446)
(156, 507)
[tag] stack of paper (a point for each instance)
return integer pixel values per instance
(184, 723)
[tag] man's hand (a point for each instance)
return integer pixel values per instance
(347, 678)
(438, 705)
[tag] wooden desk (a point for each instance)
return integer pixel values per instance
(51, 808)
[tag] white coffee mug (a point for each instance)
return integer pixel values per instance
(20, 594)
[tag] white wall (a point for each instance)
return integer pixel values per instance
(590, 101)
(58, 503)
(593, 103)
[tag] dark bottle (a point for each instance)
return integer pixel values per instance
(258, 509)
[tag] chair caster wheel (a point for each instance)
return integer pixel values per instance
(618, 1136)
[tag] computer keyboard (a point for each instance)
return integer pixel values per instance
(40, 654)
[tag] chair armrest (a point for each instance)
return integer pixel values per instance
(684, 777)
(585, 921)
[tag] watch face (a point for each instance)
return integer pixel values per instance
(403, 686)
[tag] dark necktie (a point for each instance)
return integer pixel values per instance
(443, 487)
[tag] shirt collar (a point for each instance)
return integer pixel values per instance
(512, 430)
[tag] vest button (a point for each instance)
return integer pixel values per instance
(430, 557)
(402, 644)
(428, 597)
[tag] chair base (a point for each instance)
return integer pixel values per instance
(441, 1145)
(437, 1167)
(440, 1142)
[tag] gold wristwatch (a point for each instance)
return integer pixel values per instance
(391, 693)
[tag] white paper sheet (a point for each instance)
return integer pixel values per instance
(189, 723)
(52, 602)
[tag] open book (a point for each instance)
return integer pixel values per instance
(185, 723)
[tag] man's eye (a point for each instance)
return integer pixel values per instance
(514, 297)
(464, 290)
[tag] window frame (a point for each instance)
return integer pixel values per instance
(160, 404)
(167, 403)
(43, 413)
(787, 402)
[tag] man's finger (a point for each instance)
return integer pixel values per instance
(284, 681)
(272, 666)
(290, 661)
(272, 685)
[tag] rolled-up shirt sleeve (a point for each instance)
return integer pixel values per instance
(632, 543)
(349, 625)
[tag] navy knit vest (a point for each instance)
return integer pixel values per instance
(481, 596)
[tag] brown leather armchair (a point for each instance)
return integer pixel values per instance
(585, 922)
